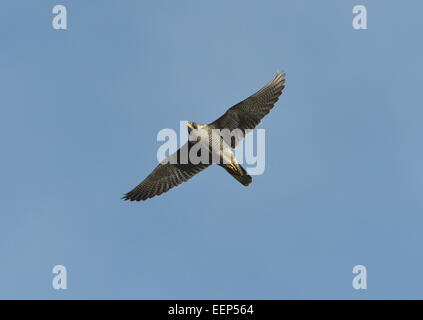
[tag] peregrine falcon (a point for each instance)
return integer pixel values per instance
(239, 120)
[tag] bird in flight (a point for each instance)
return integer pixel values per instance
(239, 120)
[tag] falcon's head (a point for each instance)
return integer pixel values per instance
(192, 126)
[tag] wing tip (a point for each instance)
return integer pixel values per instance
(279, 80)
(280, 76)
(133, 197)
(127, 197)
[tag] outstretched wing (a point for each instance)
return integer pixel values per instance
(170, 173)
(247, 114)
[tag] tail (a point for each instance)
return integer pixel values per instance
(238, 172)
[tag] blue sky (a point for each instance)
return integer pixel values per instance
(81, 108)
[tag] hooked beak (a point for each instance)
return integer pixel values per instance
(190, 126)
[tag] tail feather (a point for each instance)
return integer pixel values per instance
(238, 172)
